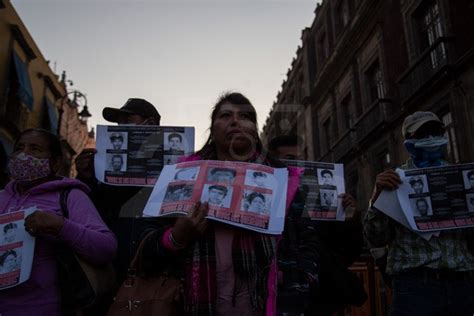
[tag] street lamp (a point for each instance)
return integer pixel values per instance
(78, 99)
(84, 114)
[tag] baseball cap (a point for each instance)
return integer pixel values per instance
(414, 121)
(132, 106)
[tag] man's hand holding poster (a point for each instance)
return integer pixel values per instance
(321, 184)
(16, 248)
(134, 155)
(246, 195)
(438, 198)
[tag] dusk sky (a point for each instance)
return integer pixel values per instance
(179, 55)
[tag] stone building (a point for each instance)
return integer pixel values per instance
(361, 68)
(31, 94)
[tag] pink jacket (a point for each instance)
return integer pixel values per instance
(84, 231)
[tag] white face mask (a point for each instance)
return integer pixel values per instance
(430, 143)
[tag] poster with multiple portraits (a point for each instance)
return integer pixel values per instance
(438, 198)
(134, 155)
(16, 248)
(321, 184)
(246, 195)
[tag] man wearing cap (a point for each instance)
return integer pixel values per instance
(429, 277)
(121, 206)
(135, 111)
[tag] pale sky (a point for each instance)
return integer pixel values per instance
(179, 54)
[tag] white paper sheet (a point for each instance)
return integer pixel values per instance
(250, 196)
(16, 248)
(133, 155)
(435, 199)
(321, 183)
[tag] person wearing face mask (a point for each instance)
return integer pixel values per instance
(429, 277)
(36, 157)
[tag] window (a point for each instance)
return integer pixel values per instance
(431, 29)
(450, 134)
(323, 49)
(346, 108)
(430, 25)
(345, 12)
(24, 91)
(375, 82)
(326, 135)
(342, 15)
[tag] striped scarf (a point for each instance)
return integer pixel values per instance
(252, 254)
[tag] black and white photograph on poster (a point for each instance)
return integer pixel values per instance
(217, 195)
(134, 155)
(470, 202)
(259, 179)
(256, 202)
(118, 141)
(328, 198)
(418, 184)
(321, 184)
(117, 162)
(326, 177)
(221, 175)
(10, 260)
(179, 192)
(186, 174)
(174, 143)
(436, 198)
(223, 185)
(10, 233)
(421, 206)
(171, 159)
(469, 179)
(17, 248)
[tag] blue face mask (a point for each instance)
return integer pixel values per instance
(426, 152)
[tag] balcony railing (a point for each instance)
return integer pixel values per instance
(433, 60)
(379, 113)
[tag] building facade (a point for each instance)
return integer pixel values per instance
(31, 94)
(361, 68)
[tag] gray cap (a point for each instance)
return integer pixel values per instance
(414, 121)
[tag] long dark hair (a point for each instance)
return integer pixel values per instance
(209, 150)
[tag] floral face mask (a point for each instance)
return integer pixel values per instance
(23, 167)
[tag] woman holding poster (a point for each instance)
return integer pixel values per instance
(33, 165)
(227, 270)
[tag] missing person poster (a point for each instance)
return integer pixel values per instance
(16, 248)
(246, 195)
(134, 155)
(321, 184)
(438, 198)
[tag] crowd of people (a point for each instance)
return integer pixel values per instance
(229, 270)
